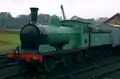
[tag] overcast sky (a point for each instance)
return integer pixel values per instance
(81, 8)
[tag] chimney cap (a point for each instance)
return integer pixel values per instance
(34, 8)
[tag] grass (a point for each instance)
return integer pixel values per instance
(8, 41)
(10, 31)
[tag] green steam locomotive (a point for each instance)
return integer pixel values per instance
(67, 41)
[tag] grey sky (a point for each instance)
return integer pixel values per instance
(82, 8)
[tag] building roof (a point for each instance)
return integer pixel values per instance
(114, 20)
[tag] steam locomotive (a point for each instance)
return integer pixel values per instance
(46, 46)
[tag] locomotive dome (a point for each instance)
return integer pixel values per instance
(54, 20)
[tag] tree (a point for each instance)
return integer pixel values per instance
(43, 18)
(5, 17)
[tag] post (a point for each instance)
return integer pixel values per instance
(63, 12)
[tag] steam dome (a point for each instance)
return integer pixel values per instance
(54, 20)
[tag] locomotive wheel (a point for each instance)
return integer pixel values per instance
(80, 57)
(27, 69)
(49, 64)
(21, 68)
(66, 61)
(87, 54)
(104, 52)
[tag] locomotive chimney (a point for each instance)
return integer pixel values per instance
(34, 14)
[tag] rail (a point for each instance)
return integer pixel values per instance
(3, 54)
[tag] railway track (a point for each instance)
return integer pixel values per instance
(12, 76)
(4, 61)
(9, 70)
(3, 56)
(91, 71)
(7, 66)
(111, 75)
